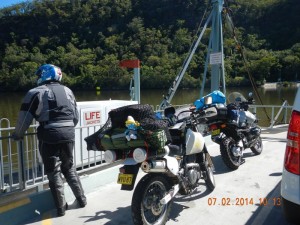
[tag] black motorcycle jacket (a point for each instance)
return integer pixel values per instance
(53, 105)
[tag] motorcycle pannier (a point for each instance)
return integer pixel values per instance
(222, 112)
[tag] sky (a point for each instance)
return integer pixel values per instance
(5, 3)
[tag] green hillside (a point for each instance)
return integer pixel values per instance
(88, 38)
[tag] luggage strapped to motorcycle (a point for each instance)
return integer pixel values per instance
(152, 135)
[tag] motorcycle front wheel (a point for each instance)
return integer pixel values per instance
(210, 180)
(208, 170)
(146, 208)
(231, 161)
(257, 146)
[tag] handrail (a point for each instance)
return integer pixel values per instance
(20, 163)
(285, 103)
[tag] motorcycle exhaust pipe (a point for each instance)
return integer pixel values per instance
(156, 166)
(171, 194)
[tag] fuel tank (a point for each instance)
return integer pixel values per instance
(246, 118)
(194, 142)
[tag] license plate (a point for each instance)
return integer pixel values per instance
(125, 179)
(215, 132)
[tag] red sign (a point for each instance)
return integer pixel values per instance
(92, 117)
(130, 63)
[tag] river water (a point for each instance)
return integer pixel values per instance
(10, 102)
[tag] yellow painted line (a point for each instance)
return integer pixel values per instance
(14, 204)
(46, 219)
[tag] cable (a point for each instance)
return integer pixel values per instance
(240, 49)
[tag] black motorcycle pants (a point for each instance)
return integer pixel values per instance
(58, 160)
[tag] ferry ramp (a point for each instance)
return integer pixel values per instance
(249, 195)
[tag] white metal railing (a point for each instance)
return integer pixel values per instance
(21, 166)
(282, 116)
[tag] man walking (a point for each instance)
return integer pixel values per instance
(53, 105)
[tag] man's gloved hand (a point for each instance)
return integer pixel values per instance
(15, 137)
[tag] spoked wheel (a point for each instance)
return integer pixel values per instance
(146, 208)
(208, 170)
(210, 179)
(226, 147)
(257, 147)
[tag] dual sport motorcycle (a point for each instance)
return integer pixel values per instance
(233, 127)
(177, 171)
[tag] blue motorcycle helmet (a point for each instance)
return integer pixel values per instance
(48, 72)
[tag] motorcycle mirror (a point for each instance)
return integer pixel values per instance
(250, 94)
(208, 100)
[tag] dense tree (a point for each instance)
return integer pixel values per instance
(88, 39)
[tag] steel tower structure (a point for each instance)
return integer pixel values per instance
(214, 58)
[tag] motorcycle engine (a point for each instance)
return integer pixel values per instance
(254, 132)
(193, 176)
(190, 176)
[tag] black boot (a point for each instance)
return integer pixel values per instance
(75, 184)
(62, 211)
(82, 201)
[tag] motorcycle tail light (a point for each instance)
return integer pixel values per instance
(213, 127)
(292, 152)
(122, 170)
(223, 125)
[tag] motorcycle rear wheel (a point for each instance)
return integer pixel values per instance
(146, 208)
(231, 161)
(257, 147)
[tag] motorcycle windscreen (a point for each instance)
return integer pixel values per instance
(236, 97)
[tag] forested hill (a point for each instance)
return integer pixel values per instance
(88, 38)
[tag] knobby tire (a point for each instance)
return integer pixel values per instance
(231, 161)
(137, 208)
